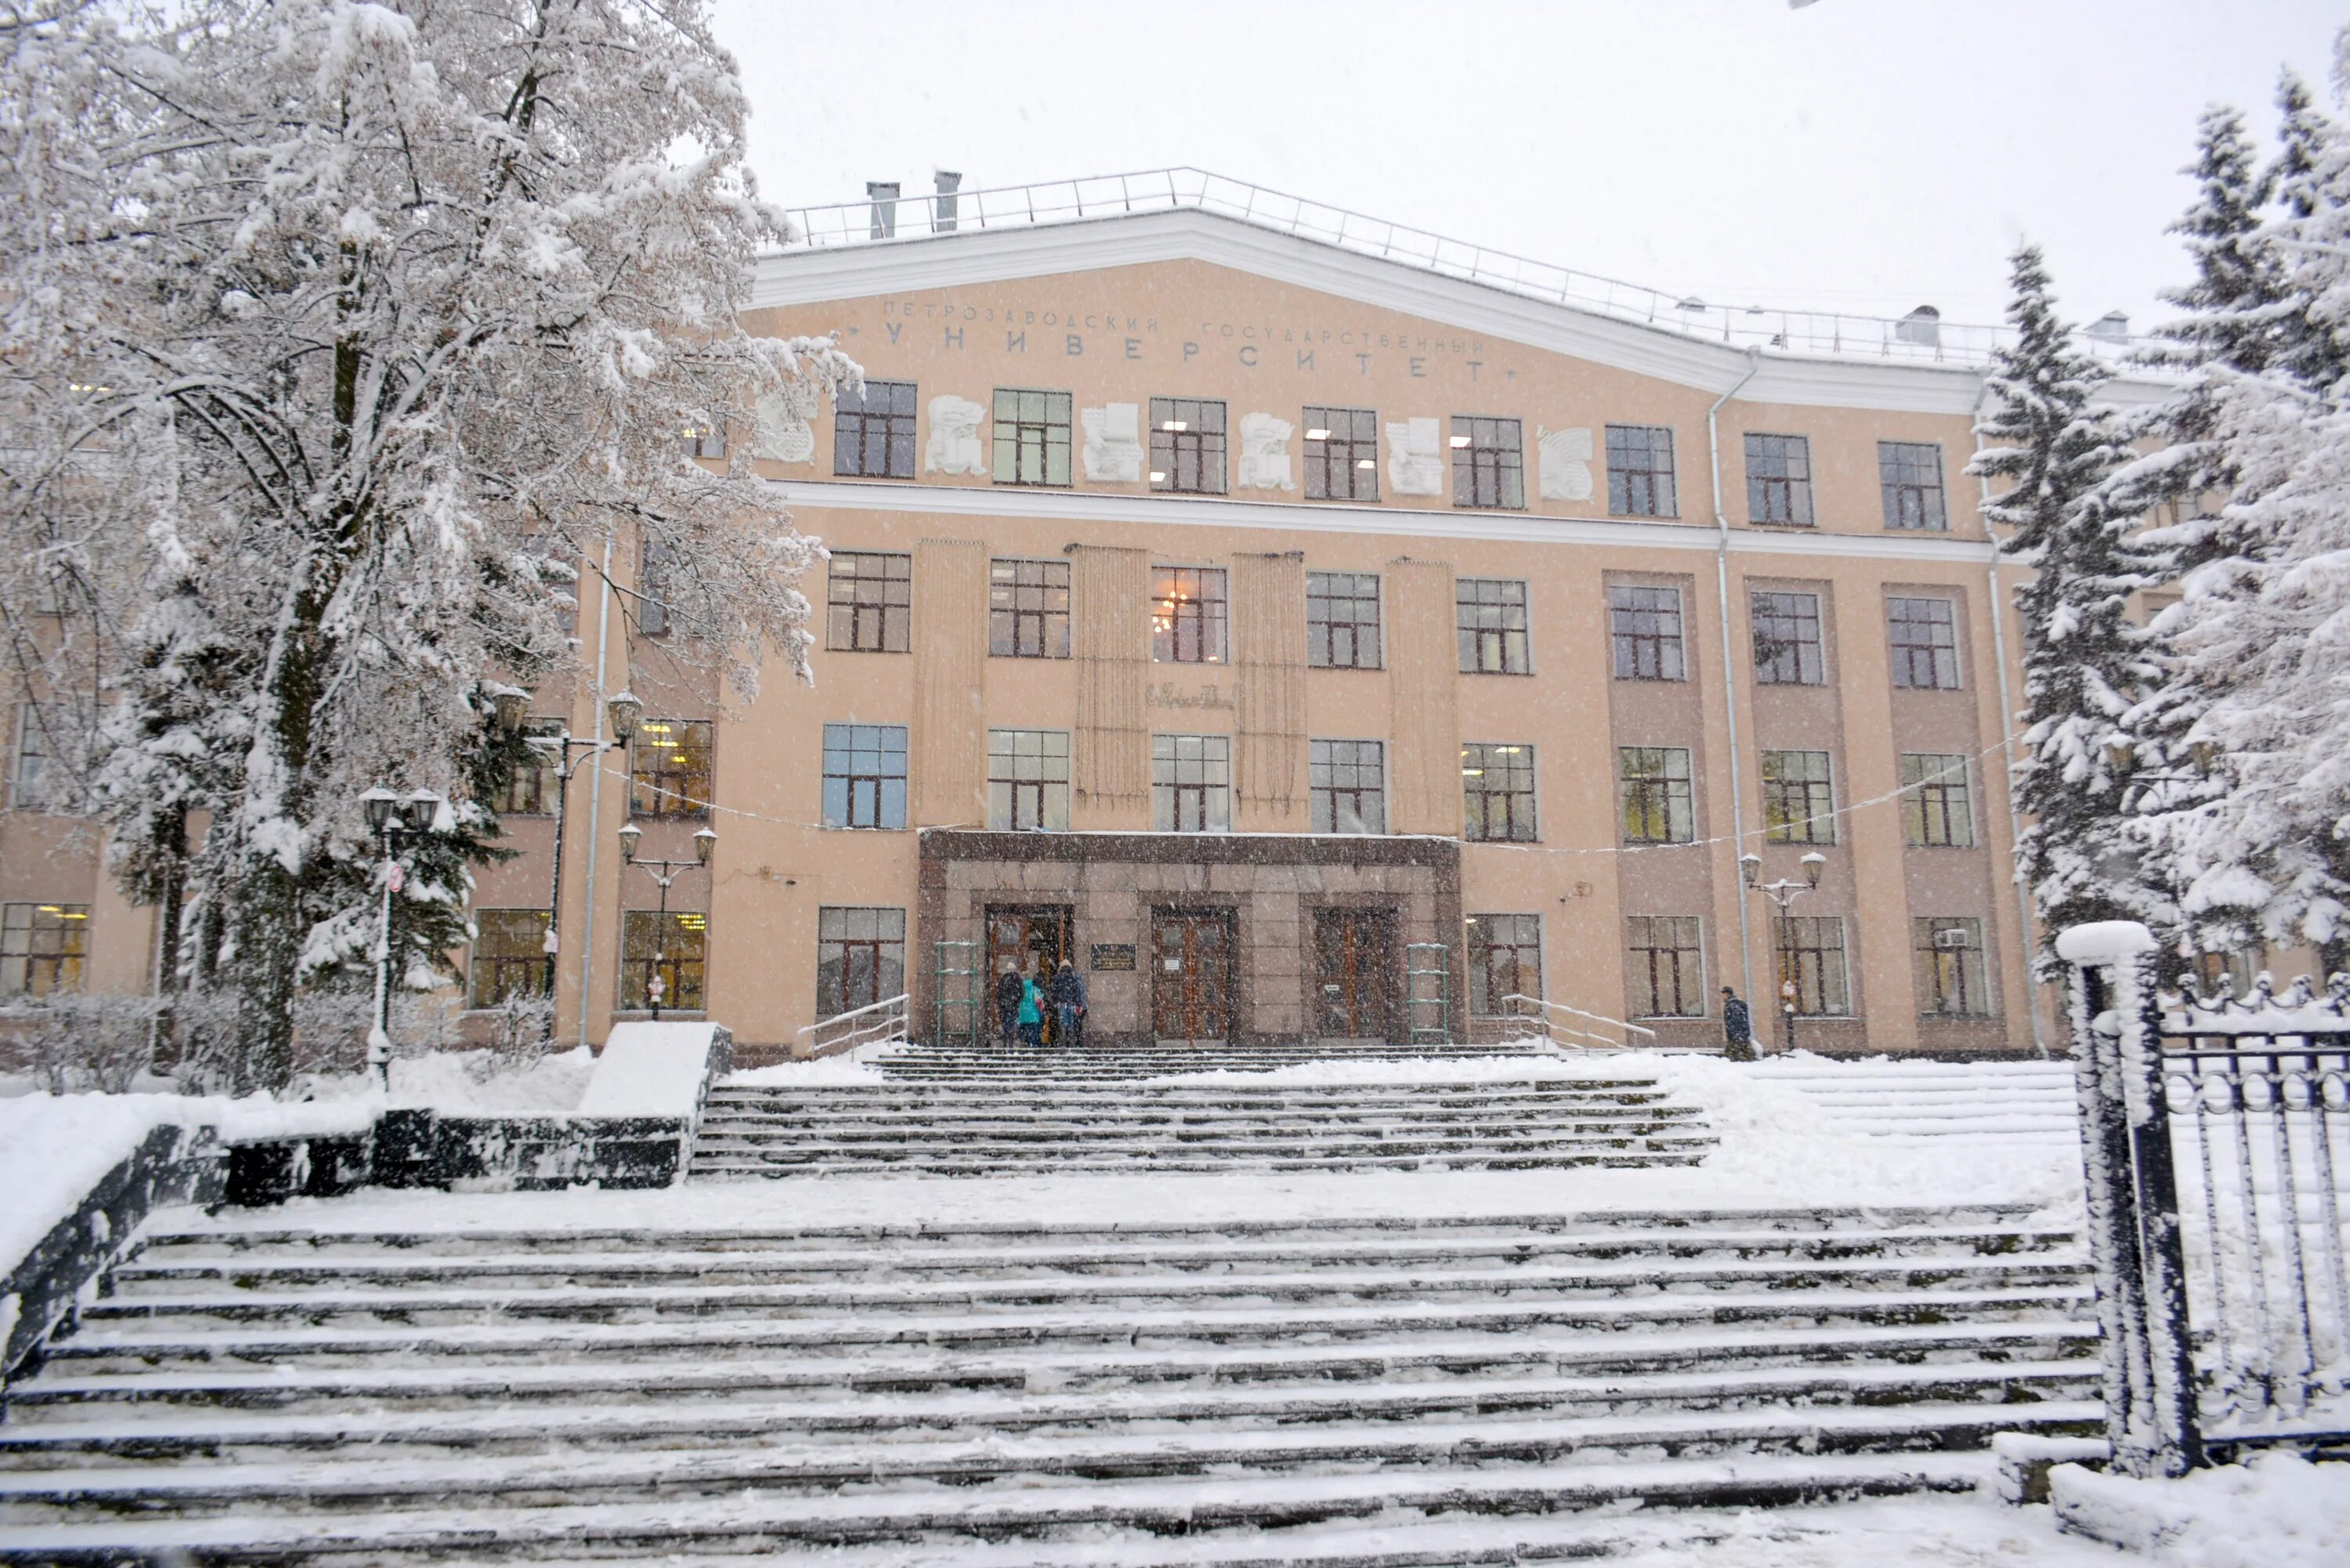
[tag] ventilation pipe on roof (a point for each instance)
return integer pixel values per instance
(2113, 326)
(947, 205)
(1922, 325)
(883, 194)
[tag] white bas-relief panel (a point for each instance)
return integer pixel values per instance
(1415, 458)
(786, 424)
(1566, 464)
(1264, 452)
(1113, 448)
(954, 445)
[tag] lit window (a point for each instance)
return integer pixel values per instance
(1667, 966)
(703, 438)
(1490, 615)
(1640, 472)
(1028, 780)
(1798, 798)
(1028, 609)
(1187, 615)
(861, 958)
(670, 768)
(509, 956)
(1925, 638)
(672, 948)
(1645, 625)
(1497, 789)
(1187, 445)
(1032, 437)
(1909, 473)
(1488, 463)
(1348, 786)
(1342, 621)
(869, 598)
(1937, 808)
(1504, 960)
(865, 775)
(873, 431)
(1655, 780)
(1951, 979)
(1342, 454)
(1779, 479)
(42, 946)
(1789, 649)
(1191, 783)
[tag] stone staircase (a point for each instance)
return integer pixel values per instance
(1989, 1105)
(991, 1112)
(1313, 1392)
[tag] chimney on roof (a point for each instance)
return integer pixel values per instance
(883, 194)
(945, 207)
(1922, 325)
(2113, 326)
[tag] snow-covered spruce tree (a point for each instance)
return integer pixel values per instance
(421, 297)
(2049, 447)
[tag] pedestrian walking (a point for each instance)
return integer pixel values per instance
(1737, 1027)
(1067, 995)
(1008, 986)
(1032, 1013)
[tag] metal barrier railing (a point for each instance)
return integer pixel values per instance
(1564, 1025)
(876, 1022)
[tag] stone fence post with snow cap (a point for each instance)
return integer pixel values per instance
(2132, 1194)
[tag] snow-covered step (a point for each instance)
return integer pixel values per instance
(1990, 1105)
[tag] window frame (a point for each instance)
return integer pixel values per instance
(1797, 659)
(1032, 799)
(1684, 961)
(648, 795)
(1015, 606)
(1631, 642)
(1326, 591)
(863, 753)
(24, 956)
(1351, 448)
(1942, 972)
(1041, 431)
(834, 927)
(853, 428)
(684, 973)
(32, 776)
(1800, 809)
(526, 962)
(1202, 780)
(1489, 463)
(1516, 659)
(1524, 945)
(891, 613)
(1660, 794)
(1207, 452)
(1324, 789)
(1788, 489)
(1822, 981)
(654, 559)
(1900, 482)
(1512, 763)
(530, 791)
(1930, 797)
(1207, 616)
(1904, 654)
(1641, 491)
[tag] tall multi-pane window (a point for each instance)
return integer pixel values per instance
(865, 775)
(655, 563)
(1347, 782)
(1191, 783)
(1187, 445)
(868, 602)
(1504, 960)
(1937, 808)
(1490, 614)
(1342, 621)
(873, 431)
(861, 958)
(1489, 463)
(1497, 790)
(1032, 437)
(1924, 634)
(670, 768)
(1342, 454)
(1028, 609)
(1645, 625)
(528, 788)
(1789, 649)
(1640, 472)
(1779, 479)
(1667, 966)
(1187, 615)
(1655, 780)
(42, 948)
(672, 947)
(1951, 979)
(1028, 780)
(1811, 953)
(32, 782)
(509, 956)
(1910, 472)
(703, 438)
(1798, 798)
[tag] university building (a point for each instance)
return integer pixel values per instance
(1304, 637)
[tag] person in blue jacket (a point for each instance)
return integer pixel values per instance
(1067, 995)
(1031, 1012)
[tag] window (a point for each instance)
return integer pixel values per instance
(870, 601)
(42, 946)
(1347, 784)
(1342, 454)
(1342, 621)
(861, 958)
(865, 775)
(1492, 617)
(1646, 626)
(1798, 798)
(1504, 960)
(1497, 787)
(1779, 479)
(873, 432)
(1951, 982)
(1489, 464)
(1656, 784)
(1187, 615)
(1032, 437)
(670, 768)
(1191, 783)
(704, 438)
(1187, 445)
(1788, 647)
(31, 782)
(1640, 472)
(1028, 609)
(2237, 973)
(509, 956)
(671, 947)
(1910, 472)
(1028, 780)
(1811, 953)
(1925, 635)
(1937, 812)
(653, 563)
(1667, 966)
(529, 789)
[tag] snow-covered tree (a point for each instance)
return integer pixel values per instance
(2049, 447)
(408, 304)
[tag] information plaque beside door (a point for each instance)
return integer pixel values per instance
(1112, 956)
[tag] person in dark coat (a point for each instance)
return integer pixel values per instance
(1008, 988)
(1737, 1027)
(1067, 995)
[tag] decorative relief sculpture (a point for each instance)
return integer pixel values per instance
(1566, 464)
(954, 446)
(1264, 452)
(786, 428)
(1113, 448)
(1415, 458)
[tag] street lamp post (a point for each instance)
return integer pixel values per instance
(389, 815)
(663, 872)
(1783, 893)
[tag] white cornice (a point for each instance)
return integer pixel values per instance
(1318, 517)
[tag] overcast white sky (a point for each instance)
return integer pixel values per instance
(1865, 155)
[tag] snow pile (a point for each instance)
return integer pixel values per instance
(2277, 1512)
(847, 1070)
(650, 1070)
(469, 1083)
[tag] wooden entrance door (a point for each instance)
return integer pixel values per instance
(1191, 974)
(1354, 964)
(1027, 937)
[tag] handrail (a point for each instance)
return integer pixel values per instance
(1585, 1040)
(897, 1002)
(1830, 334)
(888, 1022)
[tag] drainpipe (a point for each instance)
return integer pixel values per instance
(2007, 734)
(1729, 671)
(595, 800)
